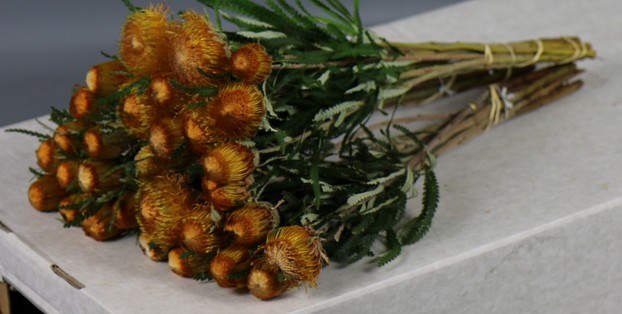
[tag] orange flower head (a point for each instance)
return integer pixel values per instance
(82, 103)
(125, 209)
(145, 41)
(147, 164)
(100, 226)
(45, 194)
(225, 197)
(251, 63)
(199, 130)
(156, 251)
(230, 265)
(237, 110)
(199, 233)
(198, 50)
(297, 252)
(71, 207)
(251, 223)
(186, 263)
(106, 78)
(137, 114)
(228, 163)
(103, 143)
(98, 176)
(47, 158)
(266, 281)
(68, 138)
(67, 172)
(165, 137)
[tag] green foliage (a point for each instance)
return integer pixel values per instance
(416, 228)
(40, 136)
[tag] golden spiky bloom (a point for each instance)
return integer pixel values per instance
(196, 45)
(251, 223)
(251, 63)
(297, 252)
(45, 193)
(105, 143)
(225, 197)
(166, 97)
(145, 41)
(265, 281)
(147, 164)
(47, 158)
(67, 172)
(199, 130)
(98, 176)
(151, 249)
(106, 78)
(82, 103)
(71, 207)
(165, 137)
(237, 110)
(228, 163)
(164, 201)
(125, 208)
(228, 267)
(67, 136)
(198, 232)
(100, 226)
(187, 263)
(137, 114)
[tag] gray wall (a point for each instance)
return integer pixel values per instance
(46, 47)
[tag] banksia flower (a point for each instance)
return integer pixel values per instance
(199, 130)
(82, 103)
(297, 252)
(230, 266)
(198, 232)
(145, 41)
(198, 48)
(237, 110)
(137, 114)
(265, 281)
(125, 209)
(45, 194)
(165, 96)
(68, 136)
(251, 223)
(146, 163)
(67, 172)
(99, 226)
(165, 137)
(106, 143)
(152, 249)
(251, 63)
(72, 206)
(225, 197)
(47, 158)
(98, 176)
(227, 163)
(187, 263)
(106, 78)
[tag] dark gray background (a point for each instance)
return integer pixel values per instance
(46, 47)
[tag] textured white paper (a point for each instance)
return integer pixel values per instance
(528, 221)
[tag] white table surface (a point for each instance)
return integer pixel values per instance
(528, 221)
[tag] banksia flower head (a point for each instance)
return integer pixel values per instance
(67, 136)
(198, 232)
(137, 114)
(198, 50)
(99, 226)
(145, 41)
(47, 158)
(297, 252)
(82, 103)
(106, 143)
(251, 63)
(199, 130)
(237, 110)
(71, 207)
(146, 162)
(106, 78)
(266, 281)
(227, 163)
(230, 266)
(225, 197)
(165, 96)
(165, 137)
(67, 172)
(251, 223)
(98, 176)
(45, 194)
(186, 263)
(125, 208)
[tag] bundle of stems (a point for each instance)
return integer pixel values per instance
(249, 157)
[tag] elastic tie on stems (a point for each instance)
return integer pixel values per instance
(580, 49)
(445, 89)
(496, 105)
(537, 56)
(490, 59)
(513, 56)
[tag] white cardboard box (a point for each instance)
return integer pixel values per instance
(529, 219)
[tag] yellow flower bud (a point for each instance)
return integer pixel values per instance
(251, 63)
